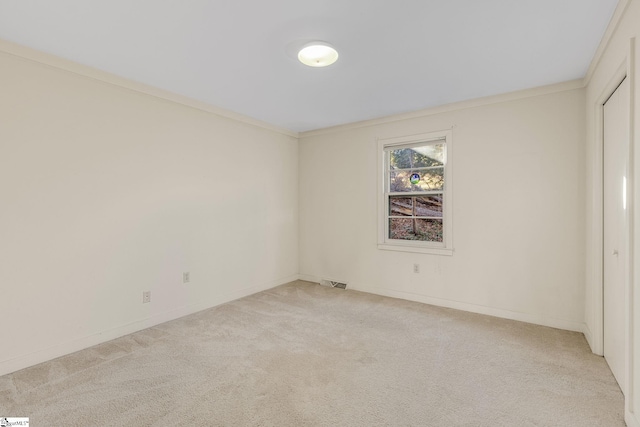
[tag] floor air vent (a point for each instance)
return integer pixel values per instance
(333, 284)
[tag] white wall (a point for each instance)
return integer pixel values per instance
(617, 54)
(518, 200)
(106, 192)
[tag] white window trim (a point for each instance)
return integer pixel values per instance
(435, 248)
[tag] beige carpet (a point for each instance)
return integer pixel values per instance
(305, 355)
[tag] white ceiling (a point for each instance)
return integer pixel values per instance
(395, 55)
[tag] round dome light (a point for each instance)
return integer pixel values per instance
(317, 54)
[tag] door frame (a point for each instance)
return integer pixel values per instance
(625, 70)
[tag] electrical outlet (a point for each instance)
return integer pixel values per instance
(186, 278)
(146, 297)
(416, 268)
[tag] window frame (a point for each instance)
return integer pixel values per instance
(384, 242)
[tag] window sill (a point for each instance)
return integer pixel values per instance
(416, 249)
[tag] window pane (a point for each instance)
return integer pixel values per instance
(420, 206)
(417, 157)
(401, 206)
(428, 206)
(428, 230)
(423, 180)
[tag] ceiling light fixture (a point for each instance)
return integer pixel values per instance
(317, 54)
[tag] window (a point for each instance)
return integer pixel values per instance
(415, 193)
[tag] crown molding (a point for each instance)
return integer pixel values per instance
(29, 54)
(618, 13)
(462, 105)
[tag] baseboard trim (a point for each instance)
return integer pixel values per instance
(63, 349)
(631, 419)
(480, 309)
(473, 308)
(308, 278)
(314, 279)
(588, 336)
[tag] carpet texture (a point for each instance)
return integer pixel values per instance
(306, 355)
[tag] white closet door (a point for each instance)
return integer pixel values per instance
(616, 140)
